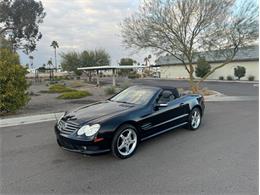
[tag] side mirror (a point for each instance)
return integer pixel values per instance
(161, 105)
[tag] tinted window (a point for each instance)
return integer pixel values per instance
(135, 95)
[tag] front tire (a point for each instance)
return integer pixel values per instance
(125, 142)
(194, 119)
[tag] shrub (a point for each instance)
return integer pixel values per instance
(221, 78)
(240, 72)
(74, 95)
(110, 90)
(251, 78)
(203, 67)
(133, 75)
(230, 78)
(13, 85)
(58, 88)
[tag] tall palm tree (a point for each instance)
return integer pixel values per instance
(55, 45)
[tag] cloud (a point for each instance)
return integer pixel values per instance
(83, 24)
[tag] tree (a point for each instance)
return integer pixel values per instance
(203, 67)
(4, 43)
(49, 63)
(13, 88)
(125, 62)
(20, 21)
(147, 60)
(181, 28)
(70, 61)
(240, 71)
(55, 45)
(42, 69)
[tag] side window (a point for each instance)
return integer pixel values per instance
(165, 97)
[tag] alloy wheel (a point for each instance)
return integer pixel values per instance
(127, 142)
(195, 119)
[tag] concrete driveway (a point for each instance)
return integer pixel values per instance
(220, 158)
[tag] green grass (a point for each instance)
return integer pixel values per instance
(58, 88)
(74, 95)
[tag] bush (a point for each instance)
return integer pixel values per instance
(251, 78)
(74, 95)
(13, 85)
(133, 75)
(221, 78)
(58, 88)
(230, 78)
(240, 72)
(110, 90)
(203, 67)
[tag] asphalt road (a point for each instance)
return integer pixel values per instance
(220, 158)
(227, 88)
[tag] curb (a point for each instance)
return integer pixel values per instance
(8, 122)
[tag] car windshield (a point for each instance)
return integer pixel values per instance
(135, 95)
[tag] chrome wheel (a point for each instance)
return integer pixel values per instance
(127, 142)
(195, 119)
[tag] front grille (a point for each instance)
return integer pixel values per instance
(68, 127)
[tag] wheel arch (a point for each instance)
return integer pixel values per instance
(199, 107)
(130, 122)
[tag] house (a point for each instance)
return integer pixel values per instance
(172, 68)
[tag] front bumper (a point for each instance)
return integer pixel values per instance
(81, 146)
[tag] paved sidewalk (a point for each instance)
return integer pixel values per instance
(29, 119)
(230, 98)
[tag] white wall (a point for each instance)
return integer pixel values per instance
(178, 71)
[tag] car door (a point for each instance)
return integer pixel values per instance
(163, 118)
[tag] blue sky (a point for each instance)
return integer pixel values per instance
(83, 24)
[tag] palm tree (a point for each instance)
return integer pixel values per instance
(147, 60)
(50, 69)
(49, 63)
(55, 45)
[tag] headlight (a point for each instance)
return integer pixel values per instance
(89, 130)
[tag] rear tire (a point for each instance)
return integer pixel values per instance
(194, 119)
(125, 141)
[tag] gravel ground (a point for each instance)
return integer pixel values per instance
(42, 103)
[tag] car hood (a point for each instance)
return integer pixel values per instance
(96, 111)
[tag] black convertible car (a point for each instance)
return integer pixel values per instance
(120, 123)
